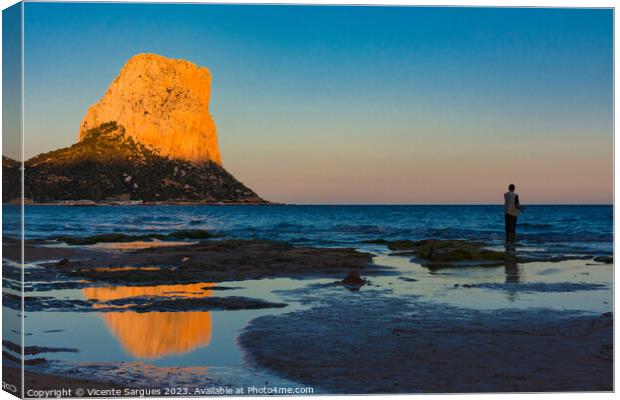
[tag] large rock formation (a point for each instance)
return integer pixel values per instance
(149, 138)
(162, 103)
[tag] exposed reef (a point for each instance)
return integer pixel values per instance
(445, 253)
(139, 304)
(217, 261)
(123, 238)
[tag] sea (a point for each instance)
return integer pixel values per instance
(193, 348)
(559, 229)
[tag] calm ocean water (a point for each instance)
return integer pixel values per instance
(561, 229)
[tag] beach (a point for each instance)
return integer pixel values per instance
(340, 299)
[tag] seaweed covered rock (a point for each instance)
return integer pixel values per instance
(438, 252)
(188, 234)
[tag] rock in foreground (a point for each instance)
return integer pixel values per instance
(446, 253)
(437, 252)
(216, 261)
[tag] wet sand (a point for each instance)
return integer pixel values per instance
(366, 343)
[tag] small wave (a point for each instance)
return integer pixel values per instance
(363, 229)
(289, 225)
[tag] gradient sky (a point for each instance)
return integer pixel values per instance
(358, 104)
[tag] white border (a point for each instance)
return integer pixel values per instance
(480, 3)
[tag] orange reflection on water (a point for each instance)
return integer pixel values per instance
(156, 334)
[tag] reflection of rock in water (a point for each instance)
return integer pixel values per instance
(156, 334)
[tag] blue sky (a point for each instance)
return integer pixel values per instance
(357, 104)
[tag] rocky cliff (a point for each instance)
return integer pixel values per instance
(149, 138)
(109, 164)
(162, 103)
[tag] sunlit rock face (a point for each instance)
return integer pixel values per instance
(162, 103)
(154, 335)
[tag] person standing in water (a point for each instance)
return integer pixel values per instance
(512, 208)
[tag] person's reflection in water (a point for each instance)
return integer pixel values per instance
(513, 274)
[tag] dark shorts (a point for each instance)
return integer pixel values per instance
(511, 223)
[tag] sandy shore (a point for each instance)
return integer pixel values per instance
(364, 343)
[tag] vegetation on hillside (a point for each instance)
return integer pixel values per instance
(108, 164)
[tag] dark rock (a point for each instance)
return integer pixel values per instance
(122, 238)
(353, 279)
(401, 245)
(218, 288)
(375, 241)
(604, 259)
(439, 253)
(34, 350)
(6, 356)
(139, 304)
(221, 260)
(64, 263)
(191, 234)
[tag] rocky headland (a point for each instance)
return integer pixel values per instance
(150, 138)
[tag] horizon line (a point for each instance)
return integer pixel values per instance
(342, 204)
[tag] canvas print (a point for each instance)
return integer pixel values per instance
(204, 199)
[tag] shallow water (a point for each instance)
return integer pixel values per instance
(209, 338)
(566, 285)
(192, 338)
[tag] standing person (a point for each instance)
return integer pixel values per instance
(512, 208)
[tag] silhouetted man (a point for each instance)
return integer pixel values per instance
(512, 208)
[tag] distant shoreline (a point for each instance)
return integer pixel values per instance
(164, 203)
